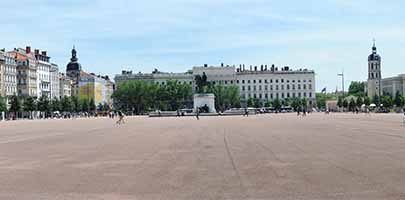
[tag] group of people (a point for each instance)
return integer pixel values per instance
(303, 110)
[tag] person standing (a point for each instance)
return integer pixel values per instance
(197, 114)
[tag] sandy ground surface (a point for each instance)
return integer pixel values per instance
(337, 156)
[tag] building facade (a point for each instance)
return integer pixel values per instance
(54, 78)
(261, 83)
(65, 86)
(26, 72)
(2, 64)
(395, 84)
(10, 75)
(43, 74)
(88, 85)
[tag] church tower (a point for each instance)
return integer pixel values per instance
(374, 73)
(73, 68)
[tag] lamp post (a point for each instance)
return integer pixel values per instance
(343, 83)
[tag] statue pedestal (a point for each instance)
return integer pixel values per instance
(201, 100)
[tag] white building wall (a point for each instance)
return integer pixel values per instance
(43, 79)
(54, 78)
(10, 75)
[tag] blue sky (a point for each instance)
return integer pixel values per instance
(174, 35)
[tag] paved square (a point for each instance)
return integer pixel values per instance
(337, 156)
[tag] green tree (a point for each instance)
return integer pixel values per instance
(44, 105)
(296, 103)
(15, 105)
(398, 100)
(75, 104)
(304, 102)
(55, 105)
(287, 102)
(84, 105)
(345, 103)
(340, 102)
(92, 105)
(359, 102)
(29, 105)
(268, 103)
(3, 105)
(367, 100)
(106, 107)
(352, 105)
(277, 104)
(387, 101)
(100, 107)
(251, 102)
(139, 96)
(357, 89)
(66, 104)
(225, 97)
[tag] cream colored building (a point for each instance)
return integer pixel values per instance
(393, 84)
(26, 72)
(2, 64)
(10, 75)
(261, 82)
(65, 86)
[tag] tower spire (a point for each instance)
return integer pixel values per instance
(374, 47)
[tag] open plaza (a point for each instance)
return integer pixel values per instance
(271, 156)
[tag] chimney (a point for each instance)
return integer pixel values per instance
(222, 64)
(28, 49)
(44, 53)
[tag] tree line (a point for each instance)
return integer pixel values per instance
(356, 97)
(277, 103)
(141, 97)
(25, 106)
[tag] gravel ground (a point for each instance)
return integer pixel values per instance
(336, 156)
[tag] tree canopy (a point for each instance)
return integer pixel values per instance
(357, 89)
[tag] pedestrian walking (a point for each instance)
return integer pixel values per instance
(197, 114)
(120, 118)
(246, 112)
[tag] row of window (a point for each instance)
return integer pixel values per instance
(374, 66)
(10, 89)
(8, 69)
(10, 78)
(277, 87)
(248, 81)
(374, 75)
(278, 95)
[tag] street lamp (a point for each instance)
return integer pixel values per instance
(343, 82)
